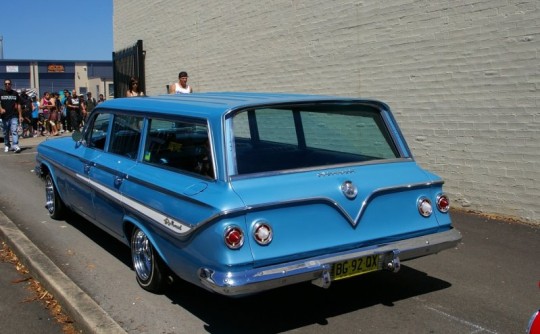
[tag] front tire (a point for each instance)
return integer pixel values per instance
(53, 202)
(149, 269)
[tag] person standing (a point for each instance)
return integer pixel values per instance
(26, 106)
(60, 115)
(181, 87)
(11, 114)
(133, 89)
(101, 99)
(73, 108)
(35, 116)
(82, 111)
(90, 104)
(53, 115)
(46, 107)
(66, 122)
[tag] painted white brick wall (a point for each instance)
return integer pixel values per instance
(462, 77)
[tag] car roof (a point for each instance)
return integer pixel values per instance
(215, 104)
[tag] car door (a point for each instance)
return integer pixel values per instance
(109, 171)
(79, 188)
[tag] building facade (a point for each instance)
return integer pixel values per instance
(54, 76)
(463, 77)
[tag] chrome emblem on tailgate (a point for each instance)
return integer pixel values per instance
(349, 190)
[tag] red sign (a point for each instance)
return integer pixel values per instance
(55, 68)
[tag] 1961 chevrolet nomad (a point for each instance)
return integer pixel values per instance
(244, 192)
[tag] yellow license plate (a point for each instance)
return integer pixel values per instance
(353, 267)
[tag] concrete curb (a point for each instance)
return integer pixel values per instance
(87, 314)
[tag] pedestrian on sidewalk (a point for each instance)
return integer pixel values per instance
(74, 112)
(66, 121)
(46, 106)
(35, 116)
(11, 114)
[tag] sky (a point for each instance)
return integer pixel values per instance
(57, 29)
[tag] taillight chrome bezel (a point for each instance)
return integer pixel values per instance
(263, 233)
(443, 203)
(233, 231)
(424, 206)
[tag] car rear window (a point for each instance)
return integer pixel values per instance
(306, 136)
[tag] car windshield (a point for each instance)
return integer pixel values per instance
(308, 136)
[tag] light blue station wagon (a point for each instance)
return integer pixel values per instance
(240, 193)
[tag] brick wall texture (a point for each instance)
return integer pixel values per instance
(462, 77)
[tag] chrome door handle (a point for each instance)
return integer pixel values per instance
(87, 168)
(118, 181)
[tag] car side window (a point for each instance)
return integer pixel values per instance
(179, 145)
(96, 134)
(126, 135)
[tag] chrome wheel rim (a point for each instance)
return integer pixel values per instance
(49, 195)
(142, 255)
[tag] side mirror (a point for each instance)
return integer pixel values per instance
(534, 323)
(77, 136)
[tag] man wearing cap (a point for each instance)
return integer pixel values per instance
(11, 114)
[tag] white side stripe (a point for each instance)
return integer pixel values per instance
(156, 216)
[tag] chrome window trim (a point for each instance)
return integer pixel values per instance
(386, 116)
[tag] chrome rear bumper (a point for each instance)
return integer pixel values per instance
(317, 269)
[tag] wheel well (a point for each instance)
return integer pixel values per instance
(43, 171)
(128, 230)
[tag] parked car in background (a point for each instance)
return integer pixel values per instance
(239, 193)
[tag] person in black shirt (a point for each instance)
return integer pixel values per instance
(74, 113)
(26, 106)
(11, 114)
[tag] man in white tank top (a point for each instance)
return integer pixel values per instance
(181, 87)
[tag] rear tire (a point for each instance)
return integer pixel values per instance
(149, 269)
(53, 202)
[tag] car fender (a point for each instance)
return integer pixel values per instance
(46, 167)
(130, 220)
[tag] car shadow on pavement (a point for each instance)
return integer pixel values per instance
(303, 304)
(100, 237)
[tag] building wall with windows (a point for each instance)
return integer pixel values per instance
(462, 77)
(55, 76)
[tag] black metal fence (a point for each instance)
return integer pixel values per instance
(128, 63)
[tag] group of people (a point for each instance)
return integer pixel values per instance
(52, 114)
(180, 87)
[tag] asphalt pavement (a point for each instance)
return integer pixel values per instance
(20, 316)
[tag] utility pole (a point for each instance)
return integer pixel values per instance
(1, 47)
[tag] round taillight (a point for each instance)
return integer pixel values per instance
(262, 232)
(234, 237)
(443, 203)
(424, 207)
(534, 323)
